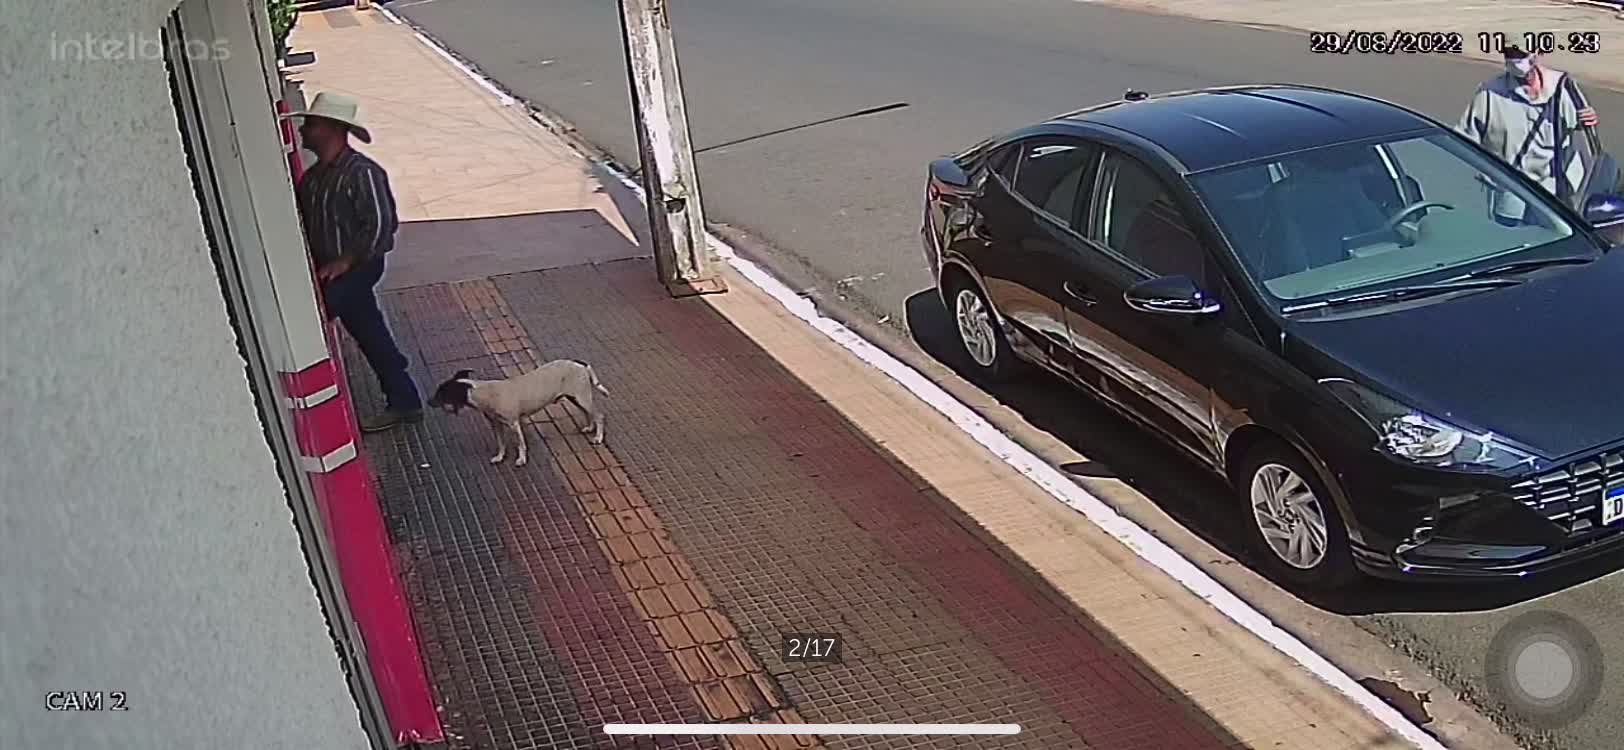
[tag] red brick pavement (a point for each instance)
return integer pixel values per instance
(651, 580)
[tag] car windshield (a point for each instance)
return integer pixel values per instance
(1358, 216)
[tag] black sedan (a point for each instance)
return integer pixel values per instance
(1405, 356)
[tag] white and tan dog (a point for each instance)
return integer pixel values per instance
(507, 402)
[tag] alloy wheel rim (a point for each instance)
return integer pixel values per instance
(975, 327)
(1289, 515)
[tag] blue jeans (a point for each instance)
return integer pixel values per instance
(351, 299)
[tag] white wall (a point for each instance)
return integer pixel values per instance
(146, 544)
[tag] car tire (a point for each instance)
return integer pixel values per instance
(976, 325)
(1280, 491)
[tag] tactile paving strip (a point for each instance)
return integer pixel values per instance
(526, 638)
(630, 542)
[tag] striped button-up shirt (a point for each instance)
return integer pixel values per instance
(347, 209)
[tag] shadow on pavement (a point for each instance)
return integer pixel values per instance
(438, 251)
(321, 5)
(1199, 501)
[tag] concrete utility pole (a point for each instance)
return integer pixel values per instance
(670, 184)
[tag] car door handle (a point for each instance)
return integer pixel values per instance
(1077, 292)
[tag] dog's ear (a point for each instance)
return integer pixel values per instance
(463, 375)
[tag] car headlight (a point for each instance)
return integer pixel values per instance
(1411, 435)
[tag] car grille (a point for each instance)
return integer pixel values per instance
(1571, 496)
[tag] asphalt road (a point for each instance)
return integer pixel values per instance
(839, 203)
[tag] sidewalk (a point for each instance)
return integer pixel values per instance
(743, 494)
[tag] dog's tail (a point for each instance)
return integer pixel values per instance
(596, 383)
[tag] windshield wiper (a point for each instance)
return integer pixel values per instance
(1402, 292)
(1527, 265)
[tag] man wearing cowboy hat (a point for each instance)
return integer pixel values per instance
(349, 223)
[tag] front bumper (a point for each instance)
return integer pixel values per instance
(1450, 559)
(1414, 522)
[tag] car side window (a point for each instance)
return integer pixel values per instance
(1136, 217)
(1003, 162)
(1052, 174)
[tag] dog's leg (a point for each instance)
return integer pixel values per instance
(518, 433)
(588, 404)
(584, 403)
(497, 428)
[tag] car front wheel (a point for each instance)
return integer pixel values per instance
(1293, 521)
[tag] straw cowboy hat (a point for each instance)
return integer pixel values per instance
(339, 108)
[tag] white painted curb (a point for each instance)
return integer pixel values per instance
(1051, 479)
(1057, 484)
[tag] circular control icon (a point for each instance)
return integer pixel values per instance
(1546, 666)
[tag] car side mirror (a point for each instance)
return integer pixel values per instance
(1176, 295)
(1604, 210)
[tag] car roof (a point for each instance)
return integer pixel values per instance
(1216, 127)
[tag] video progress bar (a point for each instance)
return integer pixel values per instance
(667, 729)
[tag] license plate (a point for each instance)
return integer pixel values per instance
(1612, 505)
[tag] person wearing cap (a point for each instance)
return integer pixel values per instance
(1527, 116)
(349, 220)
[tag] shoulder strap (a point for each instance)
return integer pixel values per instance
(1579, 102)
(1545, 114)
(1573, 91)
(1559, 138)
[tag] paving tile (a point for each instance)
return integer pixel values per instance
(527, 638)
(865, 553)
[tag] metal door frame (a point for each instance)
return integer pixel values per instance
(207, 132)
